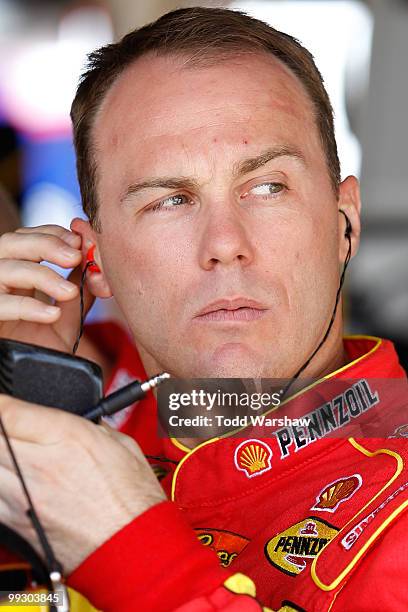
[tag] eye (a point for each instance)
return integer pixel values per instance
(171, 202)
(264, 190)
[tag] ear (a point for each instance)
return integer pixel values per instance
(350, 202)
(96, 281)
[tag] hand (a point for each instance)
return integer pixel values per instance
(86, 481)
(27, 315)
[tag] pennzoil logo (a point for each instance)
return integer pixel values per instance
(226, 544)
(253, 457)
(290, 550)
(337, 492)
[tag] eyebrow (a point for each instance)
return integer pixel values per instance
(160, 183)
(241, 168)
(253, 163)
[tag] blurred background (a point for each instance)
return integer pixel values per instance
(361, 48)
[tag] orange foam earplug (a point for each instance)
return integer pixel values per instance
(91, 264)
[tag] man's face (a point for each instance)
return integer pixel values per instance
(219, 223)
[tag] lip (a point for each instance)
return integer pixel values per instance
(232, 309)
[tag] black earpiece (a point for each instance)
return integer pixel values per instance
(349, 227)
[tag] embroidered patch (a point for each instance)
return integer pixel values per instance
(352, 536)
(253, 457)
(338, 491)
(289, 550)
(226, 544)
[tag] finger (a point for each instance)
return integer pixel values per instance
(33, 423)
(23, 308)
(28, 275)
(37, 246)
(69, 237)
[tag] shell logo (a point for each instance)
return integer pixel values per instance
(253, 457)
(337, 492)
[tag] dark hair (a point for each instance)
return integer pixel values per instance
(9, 213)
(205, 34)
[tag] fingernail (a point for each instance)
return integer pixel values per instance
(70, 253)
(67, 287)
(72, 239)
(50, 310)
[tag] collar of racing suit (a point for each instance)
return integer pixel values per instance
(337, 492)
(362, 404)
(372, 371)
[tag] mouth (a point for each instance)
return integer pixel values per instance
(232, 309)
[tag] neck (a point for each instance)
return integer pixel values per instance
(335, 358)
(330, 357)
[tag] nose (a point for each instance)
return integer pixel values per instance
(225, 238)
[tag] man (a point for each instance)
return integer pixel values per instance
(209, 172)
(106, 343)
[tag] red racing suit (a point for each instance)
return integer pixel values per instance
(268, 523)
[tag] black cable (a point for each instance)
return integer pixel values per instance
(81, 307)
(52, 563)
(326, 335)
(125, 396)
(158, 458)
